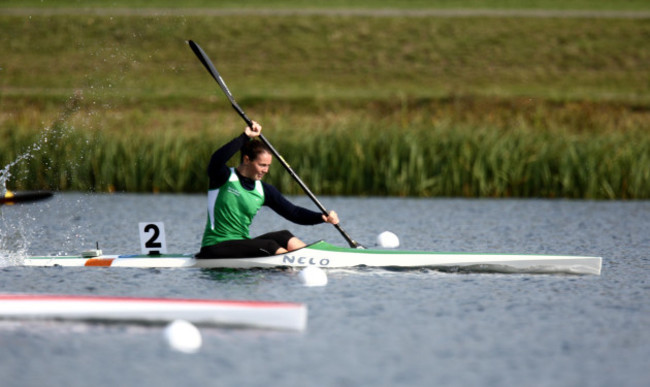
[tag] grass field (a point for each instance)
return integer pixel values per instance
(634, 5)
(358, 104)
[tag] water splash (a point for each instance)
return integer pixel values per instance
(14, 238)
(52, 132)
(13, 244)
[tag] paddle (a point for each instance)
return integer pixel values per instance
(24, 197)
(215, 74)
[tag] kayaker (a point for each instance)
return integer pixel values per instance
(236, 195)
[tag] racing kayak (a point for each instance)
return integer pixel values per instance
(325, 255)
(244, 314)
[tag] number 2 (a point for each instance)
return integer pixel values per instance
(152, 242)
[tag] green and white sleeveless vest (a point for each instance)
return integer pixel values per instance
(231, 209)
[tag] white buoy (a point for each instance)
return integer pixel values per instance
(388, 239)
(183, 336)
(313, 276)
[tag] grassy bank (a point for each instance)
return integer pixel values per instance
(359, 105)
(131, 59)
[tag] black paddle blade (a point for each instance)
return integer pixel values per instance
(207, 63)
(203, 57)
(24, 197)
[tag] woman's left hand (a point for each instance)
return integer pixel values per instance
(332, 218)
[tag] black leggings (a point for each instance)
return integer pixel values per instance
(262, 246)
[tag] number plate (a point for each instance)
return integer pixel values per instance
(152, 238)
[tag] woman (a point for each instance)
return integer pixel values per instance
(236, 195)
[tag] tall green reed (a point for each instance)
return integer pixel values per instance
(420, 155)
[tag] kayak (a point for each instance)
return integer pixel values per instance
(243, 314)
(324, 255)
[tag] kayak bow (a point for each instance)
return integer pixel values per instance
(24, 197)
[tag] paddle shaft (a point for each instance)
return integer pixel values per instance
(217, 77)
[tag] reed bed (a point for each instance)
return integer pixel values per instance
(412, 149)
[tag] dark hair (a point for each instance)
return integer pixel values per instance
(252, 149)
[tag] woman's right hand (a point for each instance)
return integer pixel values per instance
(255, 131)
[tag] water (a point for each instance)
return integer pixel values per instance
(366, 327)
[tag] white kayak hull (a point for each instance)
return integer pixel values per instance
(243, 314)
(325, 255)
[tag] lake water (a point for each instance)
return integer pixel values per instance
(367, 327)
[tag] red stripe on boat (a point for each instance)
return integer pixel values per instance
(99, 262)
